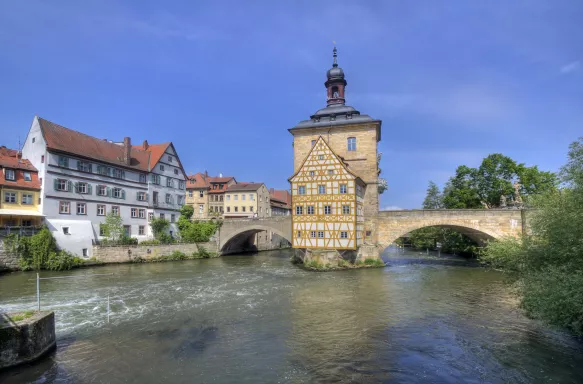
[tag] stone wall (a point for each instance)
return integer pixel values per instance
(127, 253)
(26, 340)
(8, 262)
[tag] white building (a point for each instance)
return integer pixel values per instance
(83, 178)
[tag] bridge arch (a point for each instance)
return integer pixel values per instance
(235, 240)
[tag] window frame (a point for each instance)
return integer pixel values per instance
(327, 209)
(7, 201)
(299, 210)
(351, 144)
(84, 209)
(64, 204)
(23, 199)
(104, 207)
(9, 171)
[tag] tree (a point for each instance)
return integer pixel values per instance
(159, 227)
(433, 198)
(113, 227)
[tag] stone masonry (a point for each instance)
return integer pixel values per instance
(127, 253)
(7, 261)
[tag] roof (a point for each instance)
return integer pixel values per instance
(197, 181)
(244, 187)
(282, 196)
(218, 182)
(9, 158)
(225, 179)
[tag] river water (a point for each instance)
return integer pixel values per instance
(260, 319)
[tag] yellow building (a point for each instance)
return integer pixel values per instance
(247, 200)
(20, 192)
(327, 202)
(197, 194)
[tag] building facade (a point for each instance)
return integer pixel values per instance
(247, 200)
(197, 195)
(280, 201)
(348, 140)
(327, 202)
(217, 188)
(84, 178)
(20, 192)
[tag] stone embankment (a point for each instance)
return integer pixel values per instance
(25, 337)
(8, 262)
(129, 253)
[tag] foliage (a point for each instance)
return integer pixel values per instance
(22, 316)
(159, 227)
(433, 198)
(123, 240)
(451, 240)
(374, 262)
(113, 227)
(150, 242)
(62, 261)
(483, 187)
(548, 264)
(165, 238)
(195, 231)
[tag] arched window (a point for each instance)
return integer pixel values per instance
(334, 92)
(351, 143)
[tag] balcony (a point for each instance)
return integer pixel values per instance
(18, 230)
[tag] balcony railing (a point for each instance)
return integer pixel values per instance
(21, 231)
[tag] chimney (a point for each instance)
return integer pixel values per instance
(145, 145)
(127, 150)
(271, 191)
(206, 174)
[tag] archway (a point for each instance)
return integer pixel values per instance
(243, 239)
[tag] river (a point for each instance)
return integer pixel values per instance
(260, 319)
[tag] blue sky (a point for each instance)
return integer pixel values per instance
(453, 81)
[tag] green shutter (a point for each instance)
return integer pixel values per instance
(108, 192)
(69, 186)
(138, 195)
(56, 184)
(123, 194)
(89, 189)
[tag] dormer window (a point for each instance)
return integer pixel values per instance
(9, 174)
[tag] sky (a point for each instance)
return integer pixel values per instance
(452, 81)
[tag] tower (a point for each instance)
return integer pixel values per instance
(351, 135)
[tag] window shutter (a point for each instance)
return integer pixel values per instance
(153, 178)
(69, 186)
(78, 165)
(89, 189)
(76, 187)
(91, 168)
(138, 196)
(99, 169)
(108, 192)
(56, 184)
(123, 194)
(109, 171)
(147, 197)
(123, 174)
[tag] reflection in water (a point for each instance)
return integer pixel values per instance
(252, 319)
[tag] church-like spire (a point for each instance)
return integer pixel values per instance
(335, 83)
(335, 56)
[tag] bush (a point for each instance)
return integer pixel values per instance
(177, 255)
(62, 261)
(165, 238)
(505, 253)
(150, 242)
(374, 263)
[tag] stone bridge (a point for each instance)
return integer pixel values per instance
(235, 234)
(478, 224)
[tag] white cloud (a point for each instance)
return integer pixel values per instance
(571, 67)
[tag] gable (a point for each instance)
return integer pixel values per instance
(322, 164)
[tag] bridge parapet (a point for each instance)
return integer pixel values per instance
(232, 228)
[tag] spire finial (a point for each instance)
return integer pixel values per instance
(335, 55)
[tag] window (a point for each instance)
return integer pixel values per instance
(321, 157)
(115, 210)
(220, 198)
(343, 188)
(33, 139)
(181, 184)
(27, 176)
(169, 158)
(321, 189)
(26, 223)
(141, 196)
(299, 210)
(63, 161)
(235, 197)
(250, 208)
(101, 190)
(172, 218)
(310, 209)
(84, 251)
(351, 143)
(141, 230)
(201, 194)
(118, 173)
(142, 213)
(251, 197)
(61, 185)
(312, 234)
(190, 193)
(327, 209)
(168, 198)
(161, 167)
(201, 208)
(84, 166)
(320, 234)
(127, 230)
(150, 216)
(155, 179)
(100, 210)
(10, 197)
(346, 209)
(118, 193)
(228, 209)
(64, 207)
(42, 159)
(313, 142)
(175, 171)
(135, 213)
(27, 198)
(236, 209)
(82, 188)
(299, 234)
(243, 209)
(142, 177)
(312, 173)
(344, 235)
(243, 197)
(302, 190)
(9, 174)
(103, 170)
(330, 171)
(169, 182)
(66, 231)
(81, 208)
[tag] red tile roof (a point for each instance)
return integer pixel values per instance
(9, 159)
(197, 181)
(219, 181)
(282, 196)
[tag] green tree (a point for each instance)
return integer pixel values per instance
(113, 227)
(433, 198)
(159, 227)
